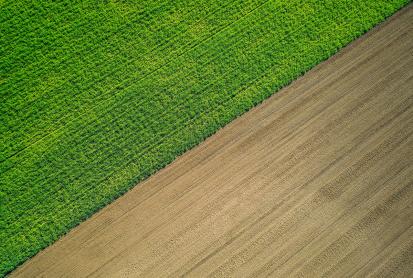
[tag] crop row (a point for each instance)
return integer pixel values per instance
(91, 74)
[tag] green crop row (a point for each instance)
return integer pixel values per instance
(96, 96)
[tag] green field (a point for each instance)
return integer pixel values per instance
(98, 95)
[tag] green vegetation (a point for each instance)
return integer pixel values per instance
(97, 95)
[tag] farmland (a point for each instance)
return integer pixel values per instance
(317, 181)
(97, 96)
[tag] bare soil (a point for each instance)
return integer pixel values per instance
(317, 180)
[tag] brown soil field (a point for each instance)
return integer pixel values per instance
(316, 181)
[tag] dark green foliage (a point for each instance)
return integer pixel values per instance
(97, 95)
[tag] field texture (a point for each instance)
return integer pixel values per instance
(315, 182)
(97, 95)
